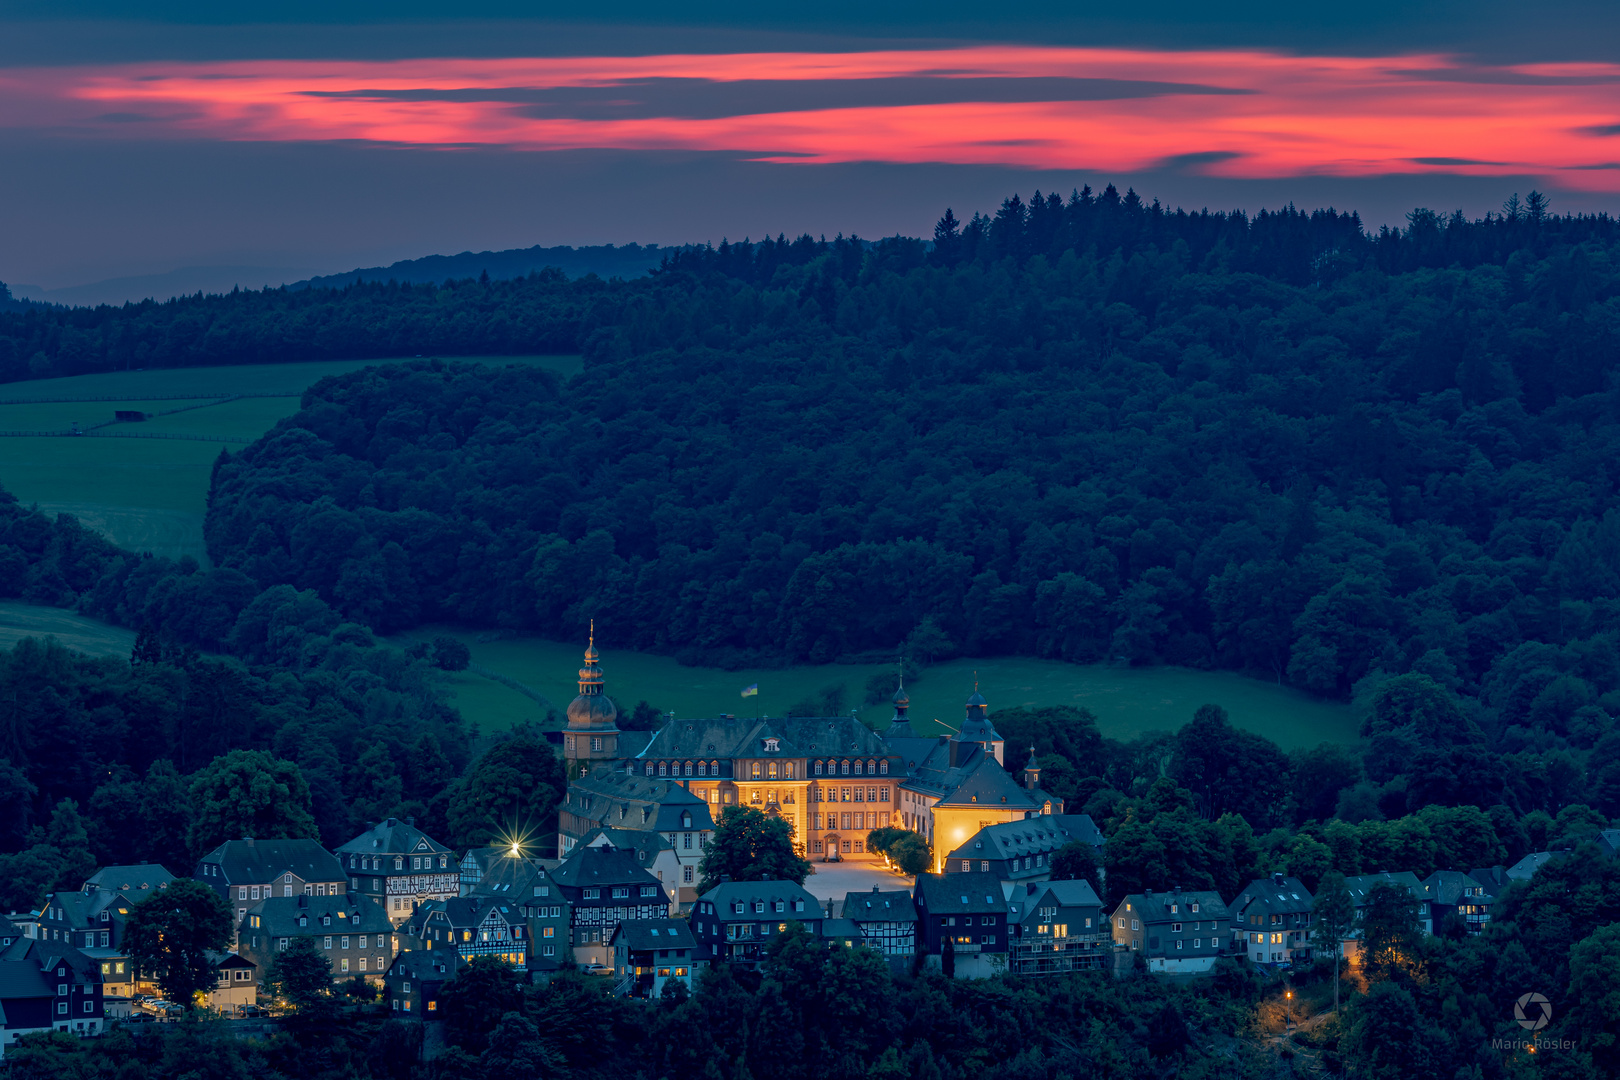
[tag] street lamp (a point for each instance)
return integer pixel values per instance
(1288, 1005)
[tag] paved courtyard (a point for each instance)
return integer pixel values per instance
(831, 881)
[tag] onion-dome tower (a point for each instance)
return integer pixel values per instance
(593, 732)
(976, 726)
(900, 726)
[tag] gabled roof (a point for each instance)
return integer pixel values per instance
(1526, 868)
(618, 799)
(587, 867)
(1063, 894)
(351, 913)
(722, 896)
(1450, 887)
(1494, 878)
(1155, 907)
(977, 779)
(910, 748)
(1042, 833)
(426, 965)
(506, 875)
(1278, 894)
(643, 934)
(968, 893)
(1362, 884)
(228, 960)
(253, 861)
(394, 837)
(135, 881)
(645, 843)
(841, 930)
(23, 979)
(876, 906)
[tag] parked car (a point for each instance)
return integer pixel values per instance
(141, 1018)
(598, 969)
(251, 1010)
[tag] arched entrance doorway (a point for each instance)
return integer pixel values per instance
(831, 849)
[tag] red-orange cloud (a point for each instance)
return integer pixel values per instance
(1245, 113)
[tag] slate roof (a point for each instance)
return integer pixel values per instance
(1362, 884)
(255, 861)
(426, 964)
(1287, 896)
(977, 779)
(9, 931)
(505, 875)
(23, 979)
(646, 844)
(1067, 894)
(393, 837)
(228, 959)
(841, 930)
(796, 737)
(1449, 887)
(602, 866)
(1030, 836)
(969, 893)
(351, 913)
(1494, 878)
(617, 798)
(876, 906)
(1526, 868)
(133, 880)
(644, 934)
(1155, 907)
(724, 895)
(1609, 841)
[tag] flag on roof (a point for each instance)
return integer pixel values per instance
(751, 691)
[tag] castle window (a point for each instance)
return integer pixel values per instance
(787, 769)
(649, 768)
(846, 768)
(703, 767)
(663, 768)
(883, 767)
(857, 768)
(714, 768)
(871, 768)
(688, 768)
(596, 742)
(771, 770)
(818, 768)
(755, 770)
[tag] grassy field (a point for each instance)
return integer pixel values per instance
(1126, 701)
(19, 620)
(150, 494)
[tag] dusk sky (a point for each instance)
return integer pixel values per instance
(263, 143)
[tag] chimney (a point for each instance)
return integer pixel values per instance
(248, 840)
(1276, 879)
(874, 888)
(1031, 888)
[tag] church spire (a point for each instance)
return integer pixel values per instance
(590, 676)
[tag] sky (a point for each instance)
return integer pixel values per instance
(176, 144)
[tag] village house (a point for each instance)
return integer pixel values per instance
(602, 887)
(247, 871)
(1180, 932)
(1453, 892)
(93, 919)
(965, 915)
(351, 931)
(657, 855)
(886, 920)
(1021, 851)
(1271, 921)
(735, 920)
(236, 983)
(72, 982)
(1057, 926)
(470, 926)
(648, 953)
(400, 866)
(528, 886)
(413, 983)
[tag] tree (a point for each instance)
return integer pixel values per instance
(912, 854)
(249, 793)
(450, 654)
(301, 974)
(1333, 915)
(474, 1002)
(1594, 989)
(512, 791)
(170, 933)
(1389, 929)
(748, 845)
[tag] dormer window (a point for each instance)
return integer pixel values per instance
(857, 768)
(883, 767)
(818, 768)
(703, 768)
(399, 862)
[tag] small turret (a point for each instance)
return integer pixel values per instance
(1032, 771)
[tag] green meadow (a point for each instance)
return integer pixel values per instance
(1126, 701)
(149, 494)
(19, 620)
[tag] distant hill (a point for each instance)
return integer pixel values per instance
(607, 261)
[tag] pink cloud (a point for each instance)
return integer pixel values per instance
(1270, 115)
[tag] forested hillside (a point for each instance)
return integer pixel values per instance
(1194, 446)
